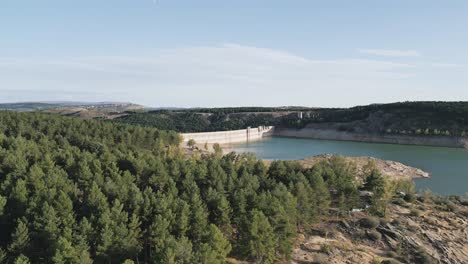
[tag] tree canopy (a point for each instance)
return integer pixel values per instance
(83, 191)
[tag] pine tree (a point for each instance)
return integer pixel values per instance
(65, 213)
(3, 201)
(216, 247)
(19, 238)
(65, 253)
(198, 219)
(305, 208)
(259, 238)
(3, 253)
(320, 195)
(22, 259)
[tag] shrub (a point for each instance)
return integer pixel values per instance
(430, 221)
(421, 256)
(464, 202)
(384, 221)
(415, 212)
(374, 235)
(410, 197)
(392, 254)
(325, 248)
(369, 222)
(451, 206)
(464, 213)
(399, 201)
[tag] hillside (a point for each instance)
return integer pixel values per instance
(87, 191)
(408, 118)
(85, 110)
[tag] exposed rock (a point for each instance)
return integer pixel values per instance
(438, 235)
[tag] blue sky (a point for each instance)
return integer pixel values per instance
(234, 53)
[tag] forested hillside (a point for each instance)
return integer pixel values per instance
(203, 120)
(78, 191)
(408, 118)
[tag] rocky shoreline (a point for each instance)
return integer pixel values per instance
(332, 134)
(387, 167)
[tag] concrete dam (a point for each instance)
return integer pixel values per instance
(252, 134)
(228, 137)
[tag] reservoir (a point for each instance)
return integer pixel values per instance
(448, 166)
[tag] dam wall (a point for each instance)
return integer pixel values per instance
(227, 137)
(330, 134)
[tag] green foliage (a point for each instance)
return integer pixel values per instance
(415, 212)
(191, 143)
(259, 237)
(3, 256)
(369, 222)
(326, 248)
(374, 235)
(19, 238)
(22, 259)
(405, 118)
(83, 191)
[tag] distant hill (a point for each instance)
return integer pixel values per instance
(27, 106)
(413, 118)
(76, 109)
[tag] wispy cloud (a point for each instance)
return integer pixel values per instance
(390, 53)
(212, 76)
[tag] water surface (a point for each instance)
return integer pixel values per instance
(448, 166)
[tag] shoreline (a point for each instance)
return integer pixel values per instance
(232, 137)
(330, 134)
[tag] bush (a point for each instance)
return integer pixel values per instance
(384, 221)
(369, 222)
(410, 197)
(374, 235)
(451, 206)
(392, 254)
(415, 212)
(396, 222)
(325, 248)
(399, 201)
(464, 213)
(421, 256)
(464, 202)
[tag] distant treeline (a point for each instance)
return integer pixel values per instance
(413, 118)
(417, 118)
(194, 121)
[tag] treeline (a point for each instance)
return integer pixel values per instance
(75, 191)
(416, 118)
(232, 110)
(407, 118)
(192, 121)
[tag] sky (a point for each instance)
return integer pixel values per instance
(192, 53)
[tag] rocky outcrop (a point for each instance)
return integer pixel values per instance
(437, 235)
(387, 167)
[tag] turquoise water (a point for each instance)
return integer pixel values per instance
(448, 166)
